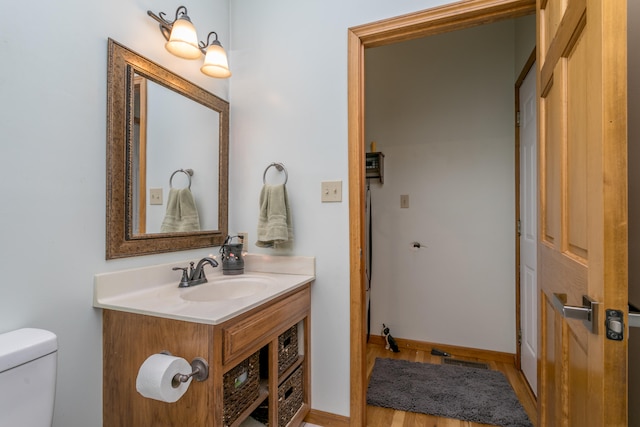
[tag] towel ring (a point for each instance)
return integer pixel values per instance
(188, 172)
(280, 167)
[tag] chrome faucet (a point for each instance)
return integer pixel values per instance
(195, 276)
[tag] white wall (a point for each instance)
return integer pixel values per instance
(441, 110)
(52, 160)
(525, 41)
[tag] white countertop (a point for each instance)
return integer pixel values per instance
(154, 290)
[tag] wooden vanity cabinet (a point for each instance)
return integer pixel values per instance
(129, 338)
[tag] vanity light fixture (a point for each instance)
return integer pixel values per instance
(182, 41)
(215, 59)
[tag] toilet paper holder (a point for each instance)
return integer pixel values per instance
(200, 371)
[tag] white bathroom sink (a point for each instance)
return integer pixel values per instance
(154, 290)
(227, 289)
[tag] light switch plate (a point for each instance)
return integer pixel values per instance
(155, 196)
(404, 201)
(331, 191)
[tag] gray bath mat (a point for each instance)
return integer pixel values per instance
(469, 394)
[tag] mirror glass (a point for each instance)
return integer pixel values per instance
(167, 160)
(172, 134)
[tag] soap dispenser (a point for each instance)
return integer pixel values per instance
(232, 256)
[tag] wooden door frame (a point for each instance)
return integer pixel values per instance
(450, 17)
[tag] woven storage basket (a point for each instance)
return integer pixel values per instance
(287, 348)
(241, 387)
(290, 397)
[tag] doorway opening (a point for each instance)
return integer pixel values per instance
(430, 22)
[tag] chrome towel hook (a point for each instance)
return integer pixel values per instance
(280, 167)
(188, 172)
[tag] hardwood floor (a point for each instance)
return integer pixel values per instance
(384, 417)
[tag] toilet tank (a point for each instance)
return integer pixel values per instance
(28, 360)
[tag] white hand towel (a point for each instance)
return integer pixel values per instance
(274, 221)
(182, 213)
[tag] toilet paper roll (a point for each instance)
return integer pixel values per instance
(156, 374)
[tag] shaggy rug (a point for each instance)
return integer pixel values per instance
(450, 391)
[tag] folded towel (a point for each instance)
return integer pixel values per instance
(274, 222)
(182, 214)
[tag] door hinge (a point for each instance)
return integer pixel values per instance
(520, 337)
(518, 118)
(519, 227)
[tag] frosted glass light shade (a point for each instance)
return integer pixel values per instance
(183, 41)
(215, 62)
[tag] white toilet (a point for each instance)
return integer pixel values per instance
(28, 361)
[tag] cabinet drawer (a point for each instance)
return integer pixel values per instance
(258, 329)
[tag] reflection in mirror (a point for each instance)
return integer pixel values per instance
(159, 126)
(171, 133)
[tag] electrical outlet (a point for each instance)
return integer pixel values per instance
(331, 191)
(155, 196)
(404, 201)
(243, 237)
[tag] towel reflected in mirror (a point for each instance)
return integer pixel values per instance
(182, 213)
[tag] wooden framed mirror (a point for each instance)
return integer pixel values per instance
(159, 124)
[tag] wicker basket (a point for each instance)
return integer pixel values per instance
(241, 387)
(287, 348)
(290, 397)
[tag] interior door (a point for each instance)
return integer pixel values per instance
(582, 248)
(528, 230)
